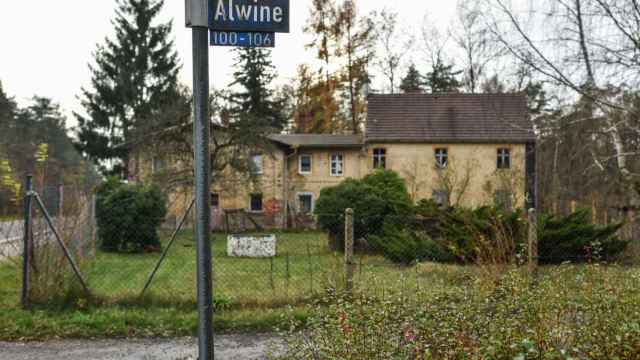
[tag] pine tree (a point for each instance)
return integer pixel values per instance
(442, 78)
(7, 112)
(135, 75)
(413, 82)
(257, 99)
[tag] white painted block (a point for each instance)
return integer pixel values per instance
(251, 246)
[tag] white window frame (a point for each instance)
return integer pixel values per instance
(439, 156)
(300, 164)
(339, 156)
(299, 204)
(257, 161)
(504, 155)
(380, 158)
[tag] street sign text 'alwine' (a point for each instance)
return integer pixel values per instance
(249, 15)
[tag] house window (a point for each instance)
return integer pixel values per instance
(337, 165)
(503, 199)
(305, 203)
(379, 158)
(256, 164)
(215, 201)
(440, 197)
(305, 164)
(504, 158)
(442, 158)
(157, 165)
(256, 203)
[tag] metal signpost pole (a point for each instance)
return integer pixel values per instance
(241, 23)
(197, 19)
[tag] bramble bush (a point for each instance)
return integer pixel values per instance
(570, 312)
(128, 216)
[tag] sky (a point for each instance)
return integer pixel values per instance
(46, 46)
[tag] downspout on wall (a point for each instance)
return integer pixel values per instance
(531, 176)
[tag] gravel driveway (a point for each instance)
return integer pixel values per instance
(232, 347)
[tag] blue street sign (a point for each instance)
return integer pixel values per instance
(249, 15)
(242, 39)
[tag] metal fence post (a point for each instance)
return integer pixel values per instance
(60, 202)
(348, 250)
(533, 241)
(26, 241)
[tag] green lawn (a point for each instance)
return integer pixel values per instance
(297, 272)
(303, 268)
(254, 292)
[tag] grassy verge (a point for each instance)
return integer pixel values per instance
(118, 321)
(567, 312)
(10, 217)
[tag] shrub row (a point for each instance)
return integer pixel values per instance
(388, 222)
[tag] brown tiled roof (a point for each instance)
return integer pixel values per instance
(317, 140)
(449, 118)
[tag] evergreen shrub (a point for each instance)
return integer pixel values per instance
(128, 216)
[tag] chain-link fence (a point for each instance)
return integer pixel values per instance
(70, 253)
(122, 260)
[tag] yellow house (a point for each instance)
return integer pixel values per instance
(458, 149)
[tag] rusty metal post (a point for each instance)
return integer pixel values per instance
(348, 250)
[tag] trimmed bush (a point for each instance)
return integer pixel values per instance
(375, 198)
(128, 216)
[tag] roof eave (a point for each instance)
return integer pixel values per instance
(448, 141)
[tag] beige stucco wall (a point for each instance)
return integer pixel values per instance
(471, 175)
(235, 189)
(320, 176)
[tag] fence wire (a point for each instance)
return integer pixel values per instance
(264, 267)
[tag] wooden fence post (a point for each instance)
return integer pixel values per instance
(348, 250)
(574, 206)
(533, 241)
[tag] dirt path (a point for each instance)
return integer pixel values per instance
(232, 347)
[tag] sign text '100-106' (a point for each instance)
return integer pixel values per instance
(242, 39)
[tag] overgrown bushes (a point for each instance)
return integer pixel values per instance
(450, 234)
(489, 234)
(386, 219)
(572, 312)
(574, 238)
(128, 216)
